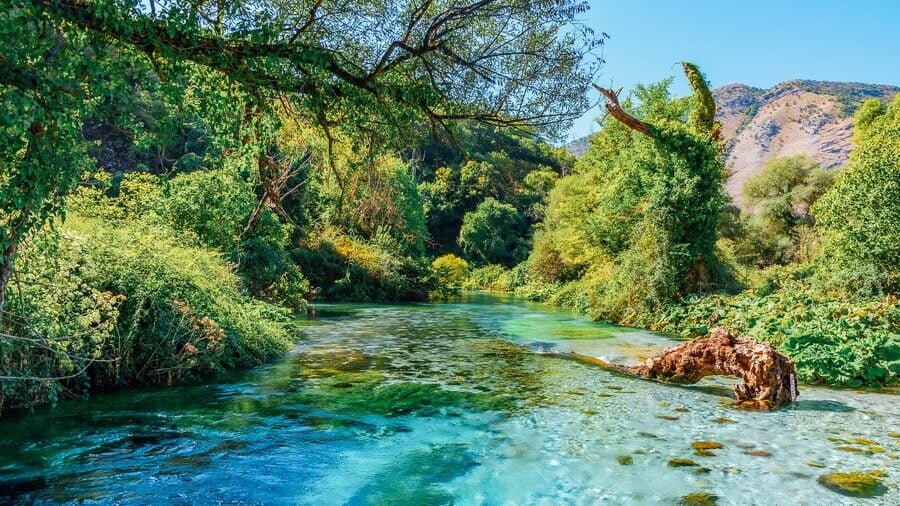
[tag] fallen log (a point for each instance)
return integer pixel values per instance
(769, 379)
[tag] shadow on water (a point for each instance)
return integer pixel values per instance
(822, 405)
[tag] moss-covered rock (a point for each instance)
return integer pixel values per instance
(707, 445)
(698, 499)
(853, 484)
(625, 460)
(683, 463)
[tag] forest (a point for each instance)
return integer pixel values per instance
(178, 180)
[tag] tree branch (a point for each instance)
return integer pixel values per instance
(615, 109)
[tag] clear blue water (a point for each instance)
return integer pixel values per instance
(446, 404)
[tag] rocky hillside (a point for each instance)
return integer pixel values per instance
(794, 117)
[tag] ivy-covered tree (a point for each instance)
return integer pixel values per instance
(371, 69)
(637, 221)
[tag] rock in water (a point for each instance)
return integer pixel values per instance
(769, 377)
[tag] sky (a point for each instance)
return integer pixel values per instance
(760, 43)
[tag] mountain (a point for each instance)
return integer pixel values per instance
(794, 117)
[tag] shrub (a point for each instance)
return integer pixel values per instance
(126, 303)
(349, 268)
(448, 273)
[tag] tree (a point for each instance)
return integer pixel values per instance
(780, 197)
(859, 217)
(493, 233)
(371, 69)
(638, 219)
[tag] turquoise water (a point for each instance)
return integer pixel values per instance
(447, 404)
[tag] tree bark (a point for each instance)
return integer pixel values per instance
(769, 380)
(6, 269)
(615, 109)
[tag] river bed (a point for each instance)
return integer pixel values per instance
(461, 403)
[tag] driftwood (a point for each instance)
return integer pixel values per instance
(769, 379)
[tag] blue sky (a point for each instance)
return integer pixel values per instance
(759, 43)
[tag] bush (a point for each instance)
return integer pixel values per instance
(349, 268)
(489, 277)
(448, 274)
(126, 303)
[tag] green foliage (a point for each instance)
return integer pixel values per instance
(859, 217)
(448, 274)
(779, 231)
(493, 233)
(491, 277)
(512, 168)
(127, 303)
(832, 342)
(638, 220)
(349, 268)
(211, 205)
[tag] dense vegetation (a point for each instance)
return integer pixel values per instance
(809, 264)
(175, 178)
(175, 181)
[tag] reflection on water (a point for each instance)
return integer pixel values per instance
(441, 404)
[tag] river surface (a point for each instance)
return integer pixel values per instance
(447, 404)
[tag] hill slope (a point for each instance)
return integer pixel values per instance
(793, 117)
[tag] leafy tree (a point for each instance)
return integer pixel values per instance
(448, 273)
(859, 216)
(781, 196)
(371, 69)
(639, 217)
(493, 233)
(512, 167)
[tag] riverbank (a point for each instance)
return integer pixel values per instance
(836, 343)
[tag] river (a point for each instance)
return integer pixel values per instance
(459, 403)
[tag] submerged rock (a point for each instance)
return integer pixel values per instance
(625, 460)
(854, 484)
(768, 376)
(683, 463)
(707, 445)
(698, 499)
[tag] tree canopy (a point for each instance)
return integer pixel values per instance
(371, 70)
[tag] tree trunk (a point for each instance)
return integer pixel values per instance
(6, 269)
(769, 380)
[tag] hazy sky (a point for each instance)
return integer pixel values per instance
(759, 43)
